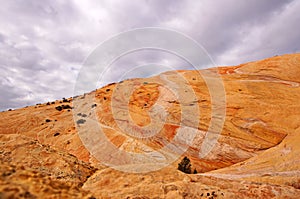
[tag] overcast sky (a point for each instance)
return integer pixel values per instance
(44, 43)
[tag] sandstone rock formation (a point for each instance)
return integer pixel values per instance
(44, 152)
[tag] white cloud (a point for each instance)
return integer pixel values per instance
(278, 35)
(44, 43)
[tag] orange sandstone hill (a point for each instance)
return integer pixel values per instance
(239, 126)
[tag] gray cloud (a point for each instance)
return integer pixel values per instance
(44, 43)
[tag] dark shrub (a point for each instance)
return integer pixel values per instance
(48, 103)
(65, 100)
(81, 121)
(56, 134)
(94, 105)
(48, 120)
(59, 108)
(66, 106)
(185, 165)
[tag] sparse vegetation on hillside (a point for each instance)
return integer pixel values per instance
(65, 100)
(59, 108)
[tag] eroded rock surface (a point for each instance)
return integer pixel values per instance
(256, 155)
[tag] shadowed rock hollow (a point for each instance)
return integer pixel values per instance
(255, 155)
